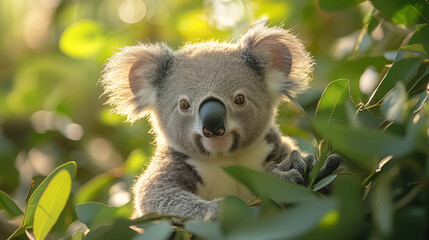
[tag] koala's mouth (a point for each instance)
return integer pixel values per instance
(224, 144)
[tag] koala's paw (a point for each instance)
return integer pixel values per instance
(294, 168)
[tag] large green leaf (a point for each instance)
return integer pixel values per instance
(119, 229)
(421, 36)
(332, 5)
(8, 204)
(331, 104)
(278, 190)
(234, 212)
(401, 70)
(407, 12)
(159, 230)
(205, 229)
(51, 204)
(93, 214)
(37, 194)
(292, 222)
(345, 221)
(362, 146)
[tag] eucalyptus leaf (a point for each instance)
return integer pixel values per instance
(324, 182)
(119, 229)
(51, 204)
(37, 194)
(407, 12)
(155, 231)
(362, 146)
(233, 212)
(205, 229)
(401, 70)
(420, 36)
(279, 190)
(293, 222)
(331, 103)
(8, 204)
(93, 214)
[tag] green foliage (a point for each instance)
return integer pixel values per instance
(9, 205)
(51, 204)
(368, 102)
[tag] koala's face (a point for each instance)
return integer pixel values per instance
(212, 102)
(209, 98)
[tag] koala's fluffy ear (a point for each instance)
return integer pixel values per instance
(279, 56)
(131, 76)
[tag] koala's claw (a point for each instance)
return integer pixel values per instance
(332, 163)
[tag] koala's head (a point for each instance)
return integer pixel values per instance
(211, 97)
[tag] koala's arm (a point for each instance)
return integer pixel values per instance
(168, 187)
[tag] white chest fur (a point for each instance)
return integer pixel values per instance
(217, 183)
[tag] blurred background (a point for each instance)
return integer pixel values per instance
(52, 53)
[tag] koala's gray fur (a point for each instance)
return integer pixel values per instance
(185, 177)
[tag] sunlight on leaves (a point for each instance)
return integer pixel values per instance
(51, 203)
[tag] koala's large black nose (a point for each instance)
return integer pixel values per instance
(212, 115)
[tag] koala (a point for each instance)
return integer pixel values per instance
(211, 105)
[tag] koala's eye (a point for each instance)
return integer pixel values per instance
(239, 99)
(184, 105)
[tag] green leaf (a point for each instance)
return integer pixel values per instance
(401, 70)
(51, 204)
(291, 223)
(393, 106)
(373, 23)
(37, 194)
(333, 5)
(345, 221)
(331, 103)
(233, 212)
(324, 182)
(120, 229)
(205, 229)
(93, 214)
(278, 190)
(155, 231)
(83, 39)
(407, 12)
(362, 146)
(8, 204)
(420, 36)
